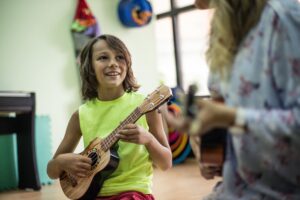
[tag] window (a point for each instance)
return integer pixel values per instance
(182, 3)
(182, 36)
(165, 50)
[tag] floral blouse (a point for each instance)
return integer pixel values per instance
(264, 162)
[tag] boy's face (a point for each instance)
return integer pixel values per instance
(110, 66)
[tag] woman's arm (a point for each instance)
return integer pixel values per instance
(283, 121)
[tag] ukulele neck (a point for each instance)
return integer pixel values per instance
(112, 138)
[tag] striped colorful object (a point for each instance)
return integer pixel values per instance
(84, 26)
(179, 142)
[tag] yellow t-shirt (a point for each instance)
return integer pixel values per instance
(99, 119)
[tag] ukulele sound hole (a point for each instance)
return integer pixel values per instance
(95, 159)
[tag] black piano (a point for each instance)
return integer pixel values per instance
(17, 115)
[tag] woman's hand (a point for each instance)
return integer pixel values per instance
(75, 164)
(214, 115)
(210, 115)
(135, 134)
(175, 120)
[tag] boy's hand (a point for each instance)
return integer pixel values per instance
(135, 134)
(75, 164)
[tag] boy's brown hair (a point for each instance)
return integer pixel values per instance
(88, 77)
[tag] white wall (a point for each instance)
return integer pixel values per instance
(36, 53)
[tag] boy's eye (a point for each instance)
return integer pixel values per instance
(102, 58)
(120, 57)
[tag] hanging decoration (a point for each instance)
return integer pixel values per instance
(135, 13)
(84, 26)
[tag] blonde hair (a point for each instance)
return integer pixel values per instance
(231, 22)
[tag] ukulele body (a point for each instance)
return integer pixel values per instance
(213, 147)
(104, 164)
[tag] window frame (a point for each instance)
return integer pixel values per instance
(173, 13)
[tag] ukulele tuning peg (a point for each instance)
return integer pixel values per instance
(151, 105)
(193, 89)
(161, 96)
(191, 109)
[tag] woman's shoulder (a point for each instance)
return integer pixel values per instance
(286, 9)
(286, 20)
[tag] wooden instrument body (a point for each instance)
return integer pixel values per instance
(103, 165)
(213, 147)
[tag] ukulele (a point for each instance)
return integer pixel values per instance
(212, 145)
(103, 152)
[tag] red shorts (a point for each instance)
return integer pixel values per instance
(132, 195)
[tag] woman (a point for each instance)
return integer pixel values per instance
(254, 59)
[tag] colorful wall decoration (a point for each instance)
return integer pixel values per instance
(84, 26)
(135, 13)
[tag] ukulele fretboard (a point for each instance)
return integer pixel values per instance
(112, 138)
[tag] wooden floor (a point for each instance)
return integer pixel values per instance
(182, 182)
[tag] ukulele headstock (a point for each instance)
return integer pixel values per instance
(161, 95)
(190, 107)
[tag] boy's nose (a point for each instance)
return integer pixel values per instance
(113, 63)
